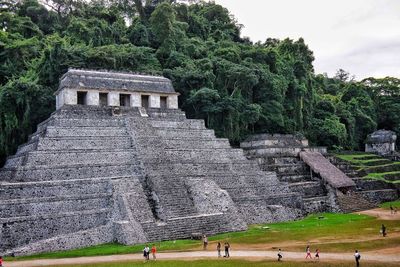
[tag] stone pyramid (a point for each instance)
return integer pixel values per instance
(132, 171)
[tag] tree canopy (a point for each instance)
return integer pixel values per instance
(238, 87)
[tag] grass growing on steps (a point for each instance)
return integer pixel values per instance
(229, 263)
(375, 167)
(328, 226)
(381, 176)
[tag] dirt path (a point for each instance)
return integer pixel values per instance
(292, 256)
(382, 214)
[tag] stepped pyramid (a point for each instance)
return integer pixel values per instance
(119, 162)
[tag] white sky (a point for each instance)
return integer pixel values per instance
(359, 36)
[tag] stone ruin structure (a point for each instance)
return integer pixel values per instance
(119, 162)
(324, 182)
(381, 142)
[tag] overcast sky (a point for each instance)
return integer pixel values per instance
(359, 36)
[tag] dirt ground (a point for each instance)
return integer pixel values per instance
(250, 252)
(382, 214)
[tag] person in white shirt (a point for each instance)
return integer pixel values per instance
(357, 257)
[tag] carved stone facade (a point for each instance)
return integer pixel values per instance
(382, 142)
(98, 88)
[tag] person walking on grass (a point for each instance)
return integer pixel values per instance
(219, 249)
(154, 251)
(357, 257)
(280, 255)
(227, 247)
(308, 252)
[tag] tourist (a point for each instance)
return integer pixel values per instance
(317, 254)
(357, 257)
(219, 249)
(391, 209)
(280, 255)
(383, 230)
(146, 252)
(205, 242)
(308, 251)
(227, 247)
(1, 261)
(153, 251)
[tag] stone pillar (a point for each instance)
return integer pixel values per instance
(154, 101)
(136, 100)
(172, 102)
(92, 98)
(113, 99)
(70, 97)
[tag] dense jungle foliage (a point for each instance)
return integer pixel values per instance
(237, 86)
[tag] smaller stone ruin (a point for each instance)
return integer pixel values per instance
(382, 142)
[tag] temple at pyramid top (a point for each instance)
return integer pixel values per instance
(103, 88)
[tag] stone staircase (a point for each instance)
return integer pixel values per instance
(291, 169)
(374, 191)
(186, 150)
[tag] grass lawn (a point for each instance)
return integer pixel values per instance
(323, 228)
(386, 205)
(231, 262)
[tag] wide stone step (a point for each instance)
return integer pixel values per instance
(186, 124)
(308, 189)
(198, 168)
(287, 168)
(52, 205)
(18, 231)
(88, 143)
(381, 195)
(205, 154)
(85, 131)
(295, 178)
(94, 122)
(58, 157)
(179, 116)
(371, 184)
(194, 143)
(316, 204)
(183, 227)
(69, 171)
(276, 160)
(10, 191)
(27, 147)
(189, 133)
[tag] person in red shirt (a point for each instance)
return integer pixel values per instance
(153, 251)
(1, 261)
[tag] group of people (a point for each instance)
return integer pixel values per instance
(227, 247)
(357, 255)
(308, 253)
(146, 252)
